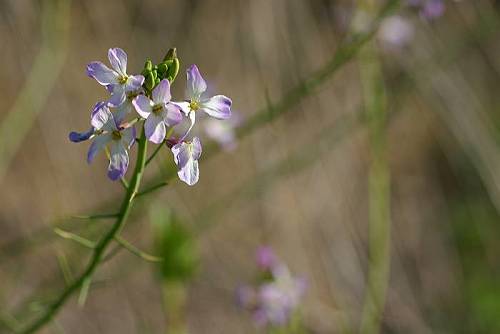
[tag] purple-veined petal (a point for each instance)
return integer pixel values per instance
(181, 154)
(103, 74)
(192, 119)
(128, 137)
(184, 157)
(77, 137)
(122, 111)
(190, 173)
(102, 119)
(196, 85)
(134, 82)
(218, 106)
(118, 160)
(118, 96)
(161, 94)
(143, 106)
(184, 106)
(171, 114)
(195, 148)
(155, 128)
(97, 145)
(118, 60)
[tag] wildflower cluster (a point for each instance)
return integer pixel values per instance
(277, 294)
(144, 101)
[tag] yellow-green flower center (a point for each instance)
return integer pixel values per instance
(157, 108)
(122, 79)
(194, 105)
(116, 135)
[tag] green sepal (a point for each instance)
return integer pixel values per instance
(149, 81)
(148, 66)
(173, 70)
(171, 54)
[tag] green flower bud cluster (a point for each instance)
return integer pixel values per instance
(167, 69)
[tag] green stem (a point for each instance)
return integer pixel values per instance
(379, 224)
(136, 251)
(101, 246)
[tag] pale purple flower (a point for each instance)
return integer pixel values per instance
(429, 9)
(159, 112)
(395, 32)
(432, 9)
(278, 295)
(223, 131)
(218, 106)
(116, 80)
(266, 259)
(279, 298)
(186, 155)
(109, 135)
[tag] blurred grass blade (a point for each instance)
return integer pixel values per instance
(71, 236)
(39, 83)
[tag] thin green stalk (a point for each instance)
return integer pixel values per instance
(101, 246)
(136, 251)
(152, 188)
(379, 224)
(95, 217)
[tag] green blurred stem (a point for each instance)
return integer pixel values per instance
(47, 66)
(174, 304)
(101, 246)
(379, 188)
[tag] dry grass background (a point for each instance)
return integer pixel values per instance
(443, 95)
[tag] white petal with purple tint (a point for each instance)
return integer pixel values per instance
(196, 85)
(118, 162)
(143, 106)
(171, 114)
(155, 128)
(103, 74)
(118, 60)
(186, 157)
(102, 119)
(97, 145)
(218, 106)
(161, 94)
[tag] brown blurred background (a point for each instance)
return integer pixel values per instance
(298, 183)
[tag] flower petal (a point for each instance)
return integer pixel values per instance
(218, 106)
(122, 111)
(190, 173)
(103, 74)
(161, 94)
(155, 129)
(181, 154)
(118, 162)
(97, 145)
(143, 106)
(128, 137)
(184, 106)
(118, 60)
(134, 82)
(77, 137)
(118, 95)
(196, 85)
(102, 119)
(195, 148)
(171, 114)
